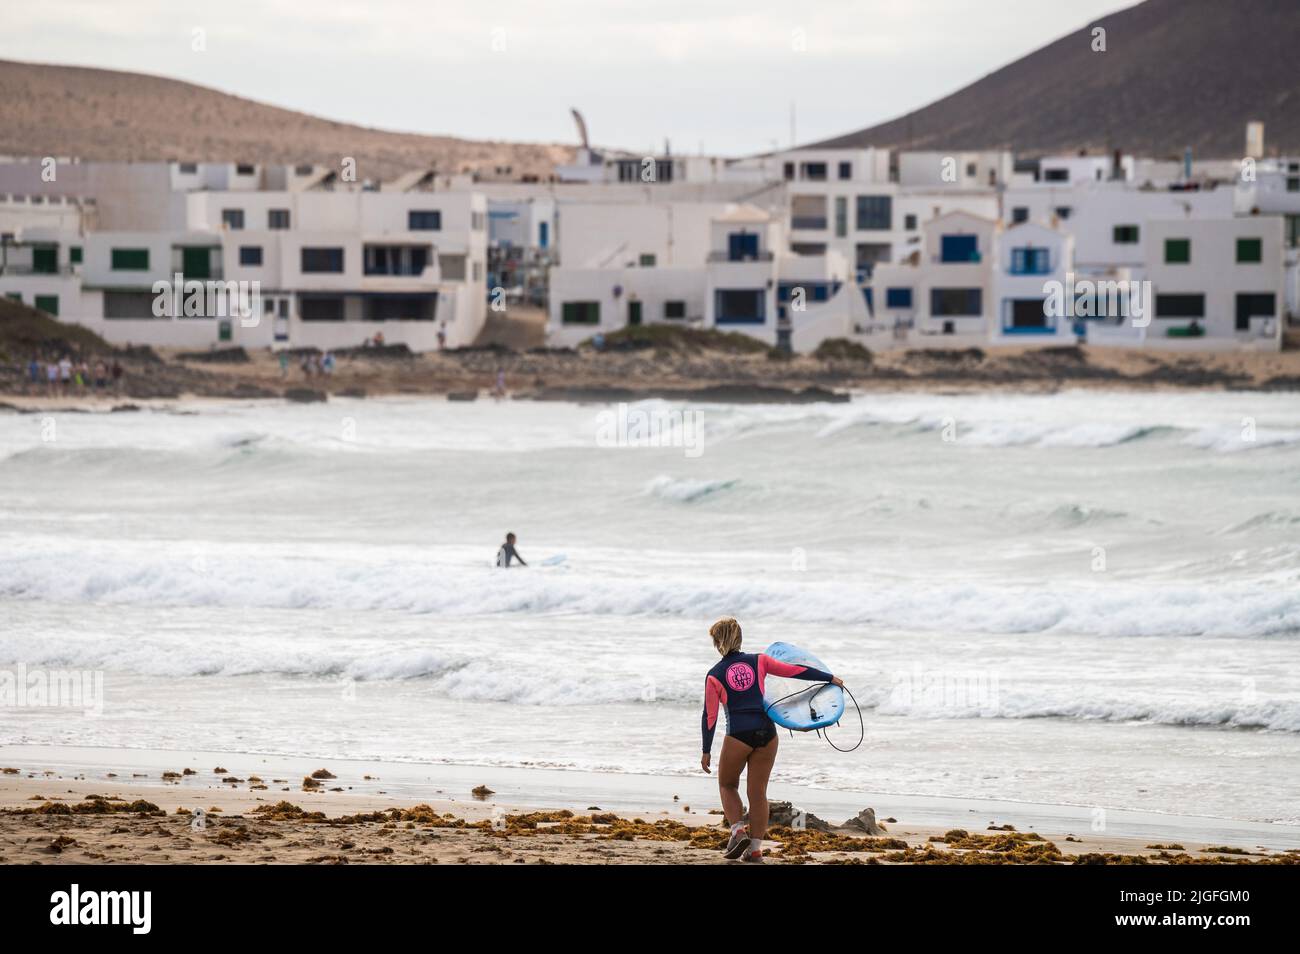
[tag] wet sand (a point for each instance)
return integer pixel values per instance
(269, 810)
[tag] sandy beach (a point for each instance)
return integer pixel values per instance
(56, 809)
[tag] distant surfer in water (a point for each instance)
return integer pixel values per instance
(735, 684)
(508, 552)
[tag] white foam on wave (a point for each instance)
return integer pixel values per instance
(139, 575)
(1230, 440)
(1072, 703)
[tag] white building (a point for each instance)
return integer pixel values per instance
(1216, 281)
(742, 278)
(1029, 257)
(333, 267)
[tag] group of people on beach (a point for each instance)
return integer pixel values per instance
(312, 365)
(64, 375)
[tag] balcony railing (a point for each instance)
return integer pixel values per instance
(761, 256)
(811, 222)
(15, 268)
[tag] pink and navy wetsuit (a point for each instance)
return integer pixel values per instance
(736, 685)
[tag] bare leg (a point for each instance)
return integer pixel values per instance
(760, 768)
(730, 763)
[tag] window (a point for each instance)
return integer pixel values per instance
(898, 298)
(322, 259)
(1063, 211)
(674, 309)
(875, 212)
(1254, 305)
(1056, 175)
(1019, 214)
(814, 171)
(1180, 306)
(739, 306)
(74, 254)
(187, 168)
(789, 171)
(742, 247)
(1125, 234)
(250, 255)
(128, 304)
(399, 307)
(45, 259)
(647, 261)
(48, 304)
(841, 216)
(580, 313)
(1026, 314)
(129, 260)
(424, 220)
(909, 222)
(320, 308)
(232, 219)
(1178, 251)
(245, 169)
(959, 248)
(957, 302)
(971, 170)
(277, 219)
(1293, 184)
(395, 259)
(1250, 250)
(846, 170)
(1030, 261)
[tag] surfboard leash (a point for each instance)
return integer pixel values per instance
(862, 726)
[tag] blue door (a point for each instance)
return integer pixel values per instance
(959, 248)
(742, 246)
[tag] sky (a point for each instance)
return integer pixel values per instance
(711, 76)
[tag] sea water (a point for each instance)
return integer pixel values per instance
(1089, 598)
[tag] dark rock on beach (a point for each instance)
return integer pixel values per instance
(216, 356)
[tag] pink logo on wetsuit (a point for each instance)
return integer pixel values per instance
(740, 677)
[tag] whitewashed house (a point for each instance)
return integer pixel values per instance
(954, 280)
(333, 267)
(1031, 257)
(1216, 281)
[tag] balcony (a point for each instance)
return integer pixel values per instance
(748, 256)
(814, 223)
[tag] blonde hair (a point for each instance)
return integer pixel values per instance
(726, 635)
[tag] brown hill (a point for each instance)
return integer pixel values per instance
(111, 115)
(1175, 73)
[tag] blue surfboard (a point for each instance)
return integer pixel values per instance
(795, 703)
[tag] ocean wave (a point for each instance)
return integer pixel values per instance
(685, 489)
(187, 577)
(978, 698)
(1228, 440)
(346, 664)
(1272, 518)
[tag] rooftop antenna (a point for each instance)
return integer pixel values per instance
(793, 137)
